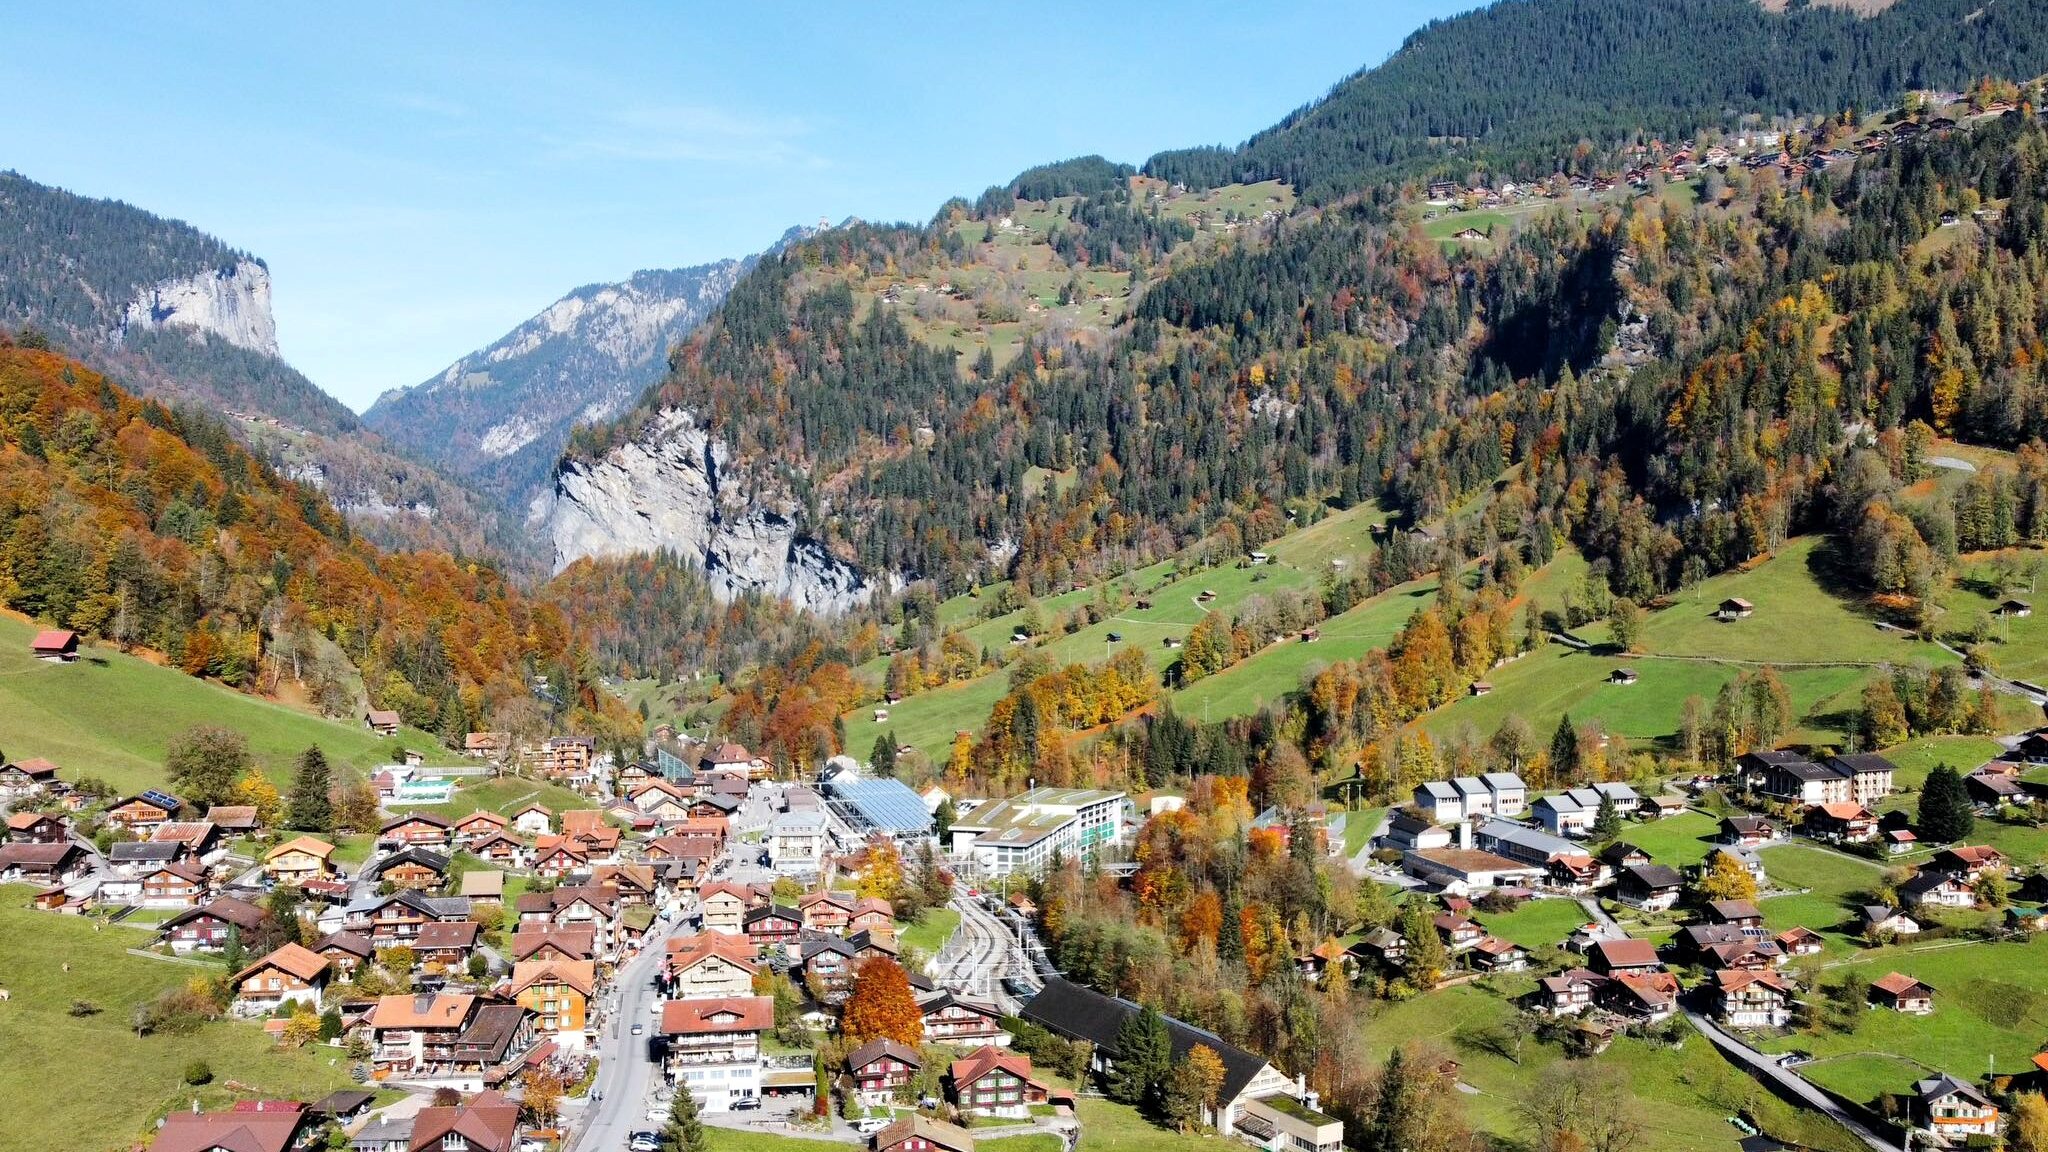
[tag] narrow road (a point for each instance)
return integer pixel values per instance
(1788, 1082)
(626, 1069)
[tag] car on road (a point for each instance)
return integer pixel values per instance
(639, 1029)
(869, 1125)
(643, 1142)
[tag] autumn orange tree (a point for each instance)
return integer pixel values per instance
(882, 1006)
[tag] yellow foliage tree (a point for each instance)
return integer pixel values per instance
(258, 792)
(1727, 879)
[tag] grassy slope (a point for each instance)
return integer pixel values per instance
(1675, 840)
(132, 1080)
(1990, 1000)
(1686, 652)
(112, 716)
(1682, 1098)
(1537, 923)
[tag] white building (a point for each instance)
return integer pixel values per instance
(1494, 794)
(796, 840)
(714, 1047)
(1023, 833)
(1572, 813)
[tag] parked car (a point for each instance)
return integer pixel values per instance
(746, 1104)
(869, 1125)
(639, 1029)
(643, 1142)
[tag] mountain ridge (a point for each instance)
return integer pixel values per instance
(499, 416)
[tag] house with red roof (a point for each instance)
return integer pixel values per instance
(714, 1047)
(995, 1082)
(55, 644)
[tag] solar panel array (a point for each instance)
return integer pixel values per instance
(886, 805)
(164, 800)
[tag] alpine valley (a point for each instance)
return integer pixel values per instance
(1493, 615)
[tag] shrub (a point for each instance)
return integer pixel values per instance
(198, 1072)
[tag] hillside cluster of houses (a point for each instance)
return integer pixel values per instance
(1657, 162)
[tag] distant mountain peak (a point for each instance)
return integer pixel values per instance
(500, 416)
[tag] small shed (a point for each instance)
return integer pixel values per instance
(1734, 608)
(1622, 676)
(57, 644)
(2014, 609)
(1480, 688)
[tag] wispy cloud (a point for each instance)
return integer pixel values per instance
(690, 134)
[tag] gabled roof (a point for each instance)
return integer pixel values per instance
(986, 1059)
(879, 1048)
(443, 1010)
(293, 958)
(578, 974)
(237, 1131)
(686, 952)
(424, 857)
(236, 816)
(1728, 981)
(441, 934)
(487, 1122)
(1943, 1086)
(714, 1015)
(939, 1134)
(403, 819)
(578, 942)
(239, 913)
(1725, 910)
(1653, 876)
(1071, 1010)
(1625, 953)
(353, 943)
(311, 845)
(1899, 984)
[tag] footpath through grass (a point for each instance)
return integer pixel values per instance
(87, 1082)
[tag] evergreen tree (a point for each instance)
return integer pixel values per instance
(684, 1131)
(943, 817)
(883, 757)
(1144, 1059)
(1606, 821)
(1564, 750)
(1945, 815)
(311, 808)
(1427, 957)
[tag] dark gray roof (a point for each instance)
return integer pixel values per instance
(421, 856)
(1068, 1009)
(1653, 875)
(1854, 762)
(145, 852)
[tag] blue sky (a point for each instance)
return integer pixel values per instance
(422, 177)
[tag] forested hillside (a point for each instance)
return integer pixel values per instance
(1531, 87)
(154, 528)
(173, 312)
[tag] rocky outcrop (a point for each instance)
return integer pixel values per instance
(673, 487)
(232, 303)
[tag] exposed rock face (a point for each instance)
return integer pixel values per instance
(231, 303)
(673, 488)
(501, 415)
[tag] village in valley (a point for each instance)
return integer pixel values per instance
(1482, 815)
